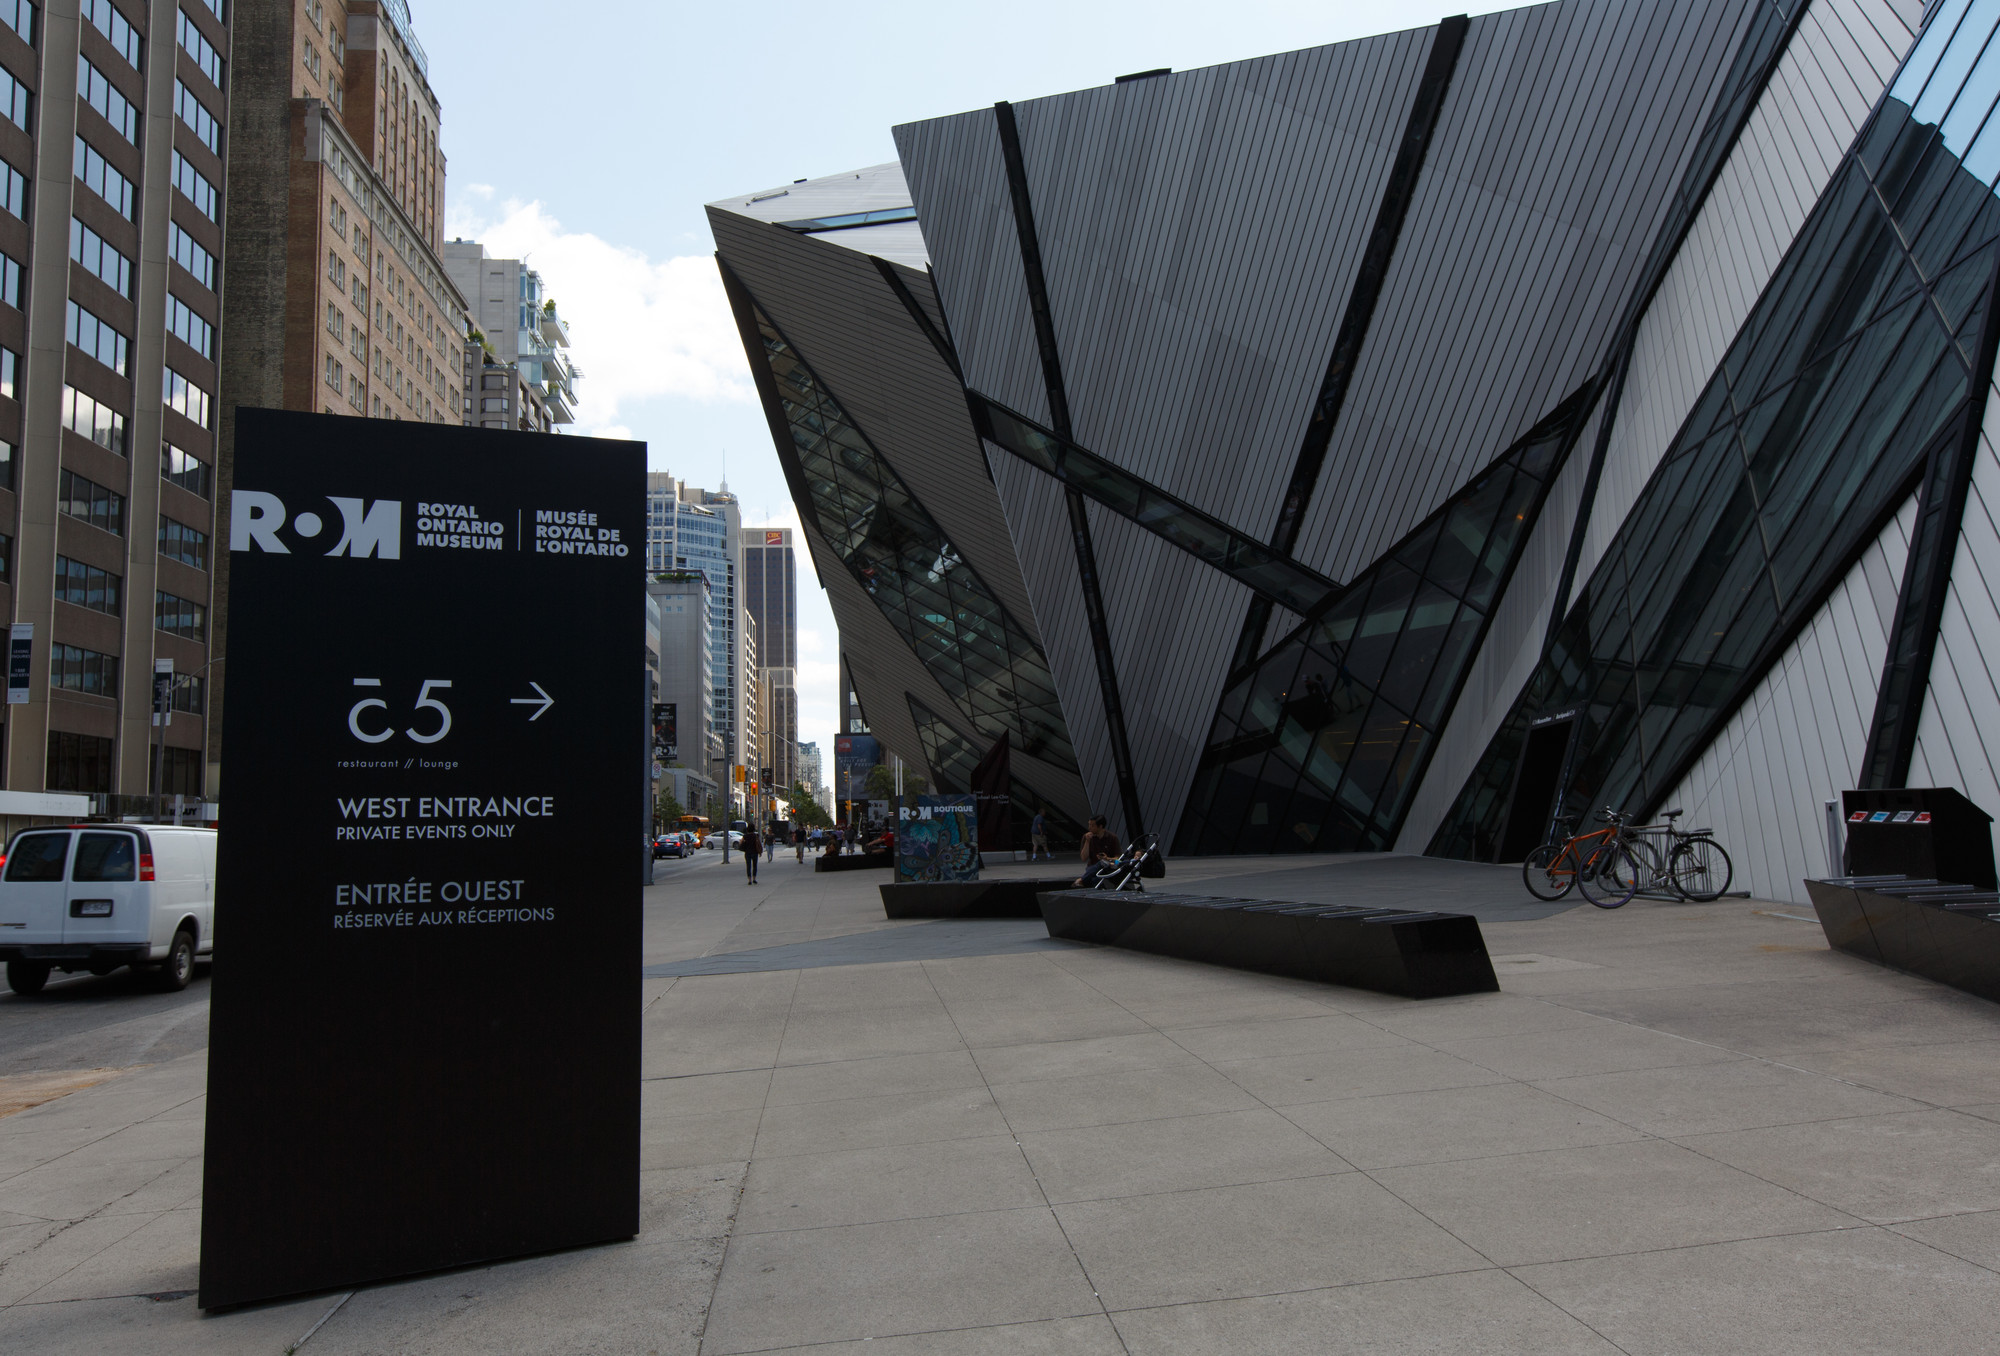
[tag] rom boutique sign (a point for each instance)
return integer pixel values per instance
(421, 1054)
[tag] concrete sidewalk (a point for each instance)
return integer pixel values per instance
(1677, 1129)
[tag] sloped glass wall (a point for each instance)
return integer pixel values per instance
(1317, 746)
(897, 552)
(953, 759)
(1855, 366)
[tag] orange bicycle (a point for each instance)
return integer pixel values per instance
(1557, 866)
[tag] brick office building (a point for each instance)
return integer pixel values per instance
(338, 301)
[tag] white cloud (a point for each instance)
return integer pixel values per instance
(640, 328)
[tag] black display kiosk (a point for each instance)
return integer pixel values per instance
(424, 1046)
(1930, 833)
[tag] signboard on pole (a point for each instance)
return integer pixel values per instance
(430, 823)
(163, 692)
(20, 661)
(666, 732)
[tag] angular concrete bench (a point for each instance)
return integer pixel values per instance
(1415, 954)
(968, 898)
(1937, 929)
(855, 861)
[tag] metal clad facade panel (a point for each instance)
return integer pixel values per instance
(1958, 736)
(1174, 623)
(1195, 273)
(1564, 132)
(1797, 742)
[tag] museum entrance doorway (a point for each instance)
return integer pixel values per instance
(1536, 781)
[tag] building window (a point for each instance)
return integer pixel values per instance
(184, 397)
(80, 670)
(6, 469)
(78, 762)
(334, 372)
(336, 216)
(493, 381)
(190, 694)
(336, 269)
(195, 188)
(6, 558)
(181, 775)
(90, 502)
(336, 322)
(355, 397)
(312, 60)
(105, 18)
(13, 100)
(493, 405)
(103, 96)
(179, 617)
(180, 542)
(96, 338)
(106, 182)
(200, 121)
(19, 15)
(181, 468)
(13, 191)
(197, 46)
(93, 419)
(99, 259)
(10, 280)
(190, 256)
(196, 332)
(87, 586)
(10, 371)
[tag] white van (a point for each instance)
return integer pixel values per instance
(97, 896)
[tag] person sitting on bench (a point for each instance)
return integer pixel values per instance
(1100, 852)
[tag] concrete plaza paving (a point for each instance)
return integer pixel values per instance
(1678, 1128)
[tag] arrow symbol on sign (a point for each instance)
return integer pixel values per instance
(543, 702)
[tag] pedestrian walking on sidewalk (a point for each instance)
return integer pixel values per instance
(1038, 837)
(799, 842)
(753, 848)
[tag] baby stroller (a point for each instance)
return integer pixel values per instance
(1123, 871)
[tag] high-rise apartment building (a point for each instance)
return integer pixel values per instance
(112, 185)
(695, 529)
(515, 325)
(687, 639)
(770, 594)
(812, 772)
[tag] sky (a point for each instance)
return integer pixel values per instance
(586, 138)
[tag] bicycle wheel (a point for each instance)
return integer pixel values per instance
(1550, 871)
(1610, 876)
(1700, 869)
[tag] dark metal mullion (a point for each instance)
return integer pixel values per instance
(1397, 193)
(1913, 636)
(1079, 516)
(1237, 542)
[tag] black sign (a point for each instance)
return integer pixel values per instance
(423, 1051)
(20, 661)
(666, 733)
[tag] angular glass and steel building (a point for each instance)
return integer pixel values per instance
(1396, 444)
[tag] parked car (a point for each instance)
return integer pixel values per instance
(669, 845)
(714, 840)
(97, 896)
